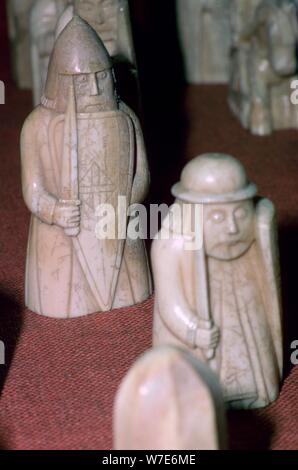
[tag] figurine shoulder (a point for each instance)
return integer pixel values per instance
(37, 121)
(265, 211)
(167, 247)
(129, 112)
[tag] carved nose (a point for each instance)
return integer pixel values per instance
(94, 86)
(232, 226)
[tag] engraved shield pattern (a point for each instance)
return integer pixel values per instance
(106, 159)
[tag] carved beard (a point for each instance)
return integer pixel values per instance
(230, 250)
(89, 104)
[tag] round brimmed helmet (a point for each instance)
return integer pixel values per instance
(214, 178)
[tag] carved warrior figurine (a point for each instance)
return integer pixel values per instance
(18, 28)
(80, 149)
(205, 38)
(222, 301)
(44, 16)
(169, 400)
(263, 64)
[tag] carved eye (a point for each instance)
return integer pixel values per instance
(217, 216)
(81, 79)
(102, 75)
(240, 213)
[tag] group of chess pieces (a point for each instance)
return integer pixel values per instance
(217, 337)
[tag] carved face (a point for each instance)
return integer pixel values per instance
(95, 91)
(102, 16)
(228, 229)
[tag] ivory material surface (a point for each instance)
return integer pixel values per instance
(82, 148)
(222, 300)
(263, 64)
(205, 39)
(18, 29)
(44, 16)
(169, 400)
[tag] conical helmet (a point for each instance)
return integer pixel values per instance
(78, 49)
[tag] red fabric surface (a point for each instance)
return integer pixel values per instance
(60, 378)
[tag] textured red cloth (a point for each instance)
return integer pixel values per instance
(61, 376)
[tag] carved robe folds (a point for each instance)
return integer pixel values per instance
(247, 358)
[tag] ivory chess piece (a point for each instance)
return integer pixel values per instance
(18, 29)
(205, 39)
(263, 64)
(2, 92)
(44, 16)
(169, 400)
(220, 298)
(82, 149)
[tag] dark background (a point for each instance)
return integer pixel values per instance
(60, 378)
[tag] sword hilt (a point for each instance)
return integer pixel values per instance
(209, 354)
(73, 231)
(207, 325)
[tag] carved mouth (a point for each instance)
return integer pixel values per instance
(95, 102)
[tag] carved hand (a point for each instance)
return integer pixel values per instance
(66, 216)
(207, 338)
